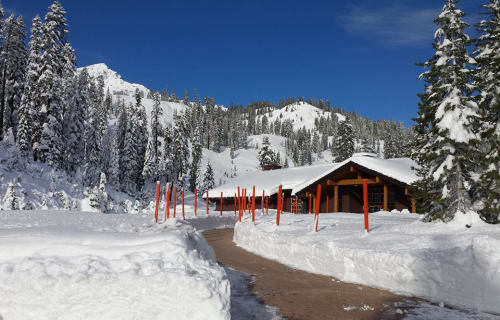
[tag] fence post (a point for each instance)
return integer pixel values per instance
(253, 204)
(157, 203)
(316, 213)
(167, 202)
(278, 209)
(365, 203)
(195, 201)
(175, 202)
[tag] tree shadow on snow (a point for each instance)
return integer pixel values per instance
(244, 304)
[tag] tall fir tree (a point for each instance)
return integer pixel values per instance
(343, 143)
(208, 178)
(445, 145)
(487, 81)
(92, 159)
(196, 154)
(156, 128)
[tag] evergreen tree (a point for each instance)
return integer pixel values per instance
(343, 144)
(267, 156)
(150, 170)
(92, 163)
(487, 80)
(445, 142)
(114, 163)
(14, 58)
(196, 155)
(28, 123)
(156, 128)
(208, 178)
(186, 97)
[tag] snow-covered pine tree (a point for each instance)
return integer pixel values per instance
(186, 97)
(101, 106)
(14, 58)
(180, 151)
(30, 97)
(92, 163)
(343, 143)
(128, 157)
(166, 155)
(156, 128)
(445, 140)
(150, 170)
(208, 178)
(105, 150)
(196, 154)
(108, 103)
(114, 163)
(266, 156)
(487, 81)
(11, 199)
(316, 144)
(54, 31)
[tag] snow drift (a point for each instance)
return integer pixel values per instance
(436, 261)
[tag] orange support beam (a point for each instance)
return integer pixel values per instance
(365, 203)
(175, 201)
(316, 213)
(253, 204)
(278, 206)
(157, 203)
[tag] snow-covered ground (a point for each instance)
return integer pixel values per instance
(81, 265)
(441, 262)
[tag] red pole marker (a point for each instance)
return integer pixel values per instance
(318, 202)
(239, 205)
(365, 203)
(326, 204)
(183, 213)
(310, 203)
(207, 202)
(157, 200)
(262, 202)
(167, 202)
(175, 201)
(195, 201)
(253, 204)
(234, 204)
(279, 206)
(221, 200)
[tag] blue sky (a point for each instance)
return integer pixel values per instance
(359, 54)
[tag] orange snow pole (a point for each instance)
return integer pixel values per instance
(221, 201)
(157, 200)
(183, 214)
(278, 209)
(318, 202)
(326, 204)
(267, 205)
(262, 201)
(310, 203)
(365, 203)
(239, 205)
(195, 201)
(175, 201)
(207, 202)
(234, 204)
(253, 204)
(167, 202)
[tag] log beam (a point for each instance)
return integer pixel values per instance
(336, 199)
(386, 198)
(413, 205)
(347, 182)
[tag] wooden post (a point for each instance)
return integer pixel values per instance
(278, 206)
(207, 202)
(386, 198)
(336, 199)
(296, 204)
(195, 201)
(221, 203)
(157, 203)
(310, 202)
(253, 205)
(175, 201)
(239, 205)
(413, 205)
(182, 197)
(365, 203)
(316, 209)
(167, 202)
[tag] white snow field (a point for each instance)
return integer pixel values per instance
(81, 265)
(441, 262)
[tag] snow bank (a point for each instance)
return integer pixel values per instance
(60, 265)
(440, 262)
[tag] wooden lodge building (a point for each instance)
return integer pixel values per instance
(341, 186)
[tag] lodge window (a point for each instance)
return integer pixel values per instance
(376, 199)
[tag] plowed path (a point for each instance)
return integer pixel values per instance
(299, 294)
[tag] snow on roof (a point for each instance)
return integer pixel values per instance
(399, 169)
(269, 181)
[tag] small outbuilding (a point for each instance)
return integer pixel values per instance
(341, 186)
